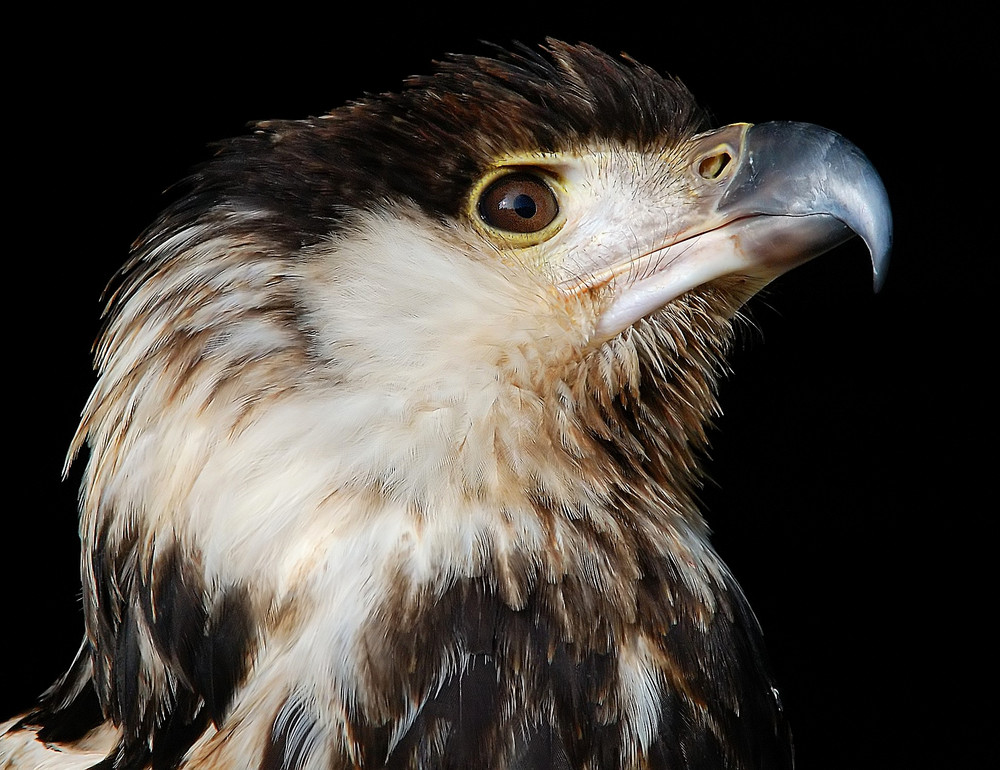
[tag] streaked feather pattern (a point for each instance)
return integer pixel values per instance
(360, 492)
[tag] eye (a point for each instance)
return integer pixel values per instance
(518, 203)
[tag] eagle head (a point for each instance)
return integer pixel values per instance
(393, 454)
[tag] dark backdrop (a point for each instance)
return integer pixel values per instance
(841, 471)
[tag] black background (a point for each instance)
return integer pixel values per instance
(844, 475)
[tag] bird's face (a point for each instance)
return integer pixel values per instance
(635, 230)
(550, 258)
(572, 248)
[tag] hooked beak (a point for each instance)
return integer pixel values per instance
(767, 198)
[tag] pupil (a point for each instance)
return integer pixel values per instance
(524, 206)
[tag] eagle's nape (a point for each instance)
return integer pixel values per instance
(395, 463)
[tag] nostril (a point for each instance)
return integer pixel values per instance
(713, 166)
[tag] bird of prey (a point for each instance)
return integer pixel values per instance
(395, 448)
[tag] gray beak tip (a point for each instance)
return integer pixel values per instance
(820, 172)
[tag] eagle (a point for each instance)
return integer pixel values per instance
(399, 428)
